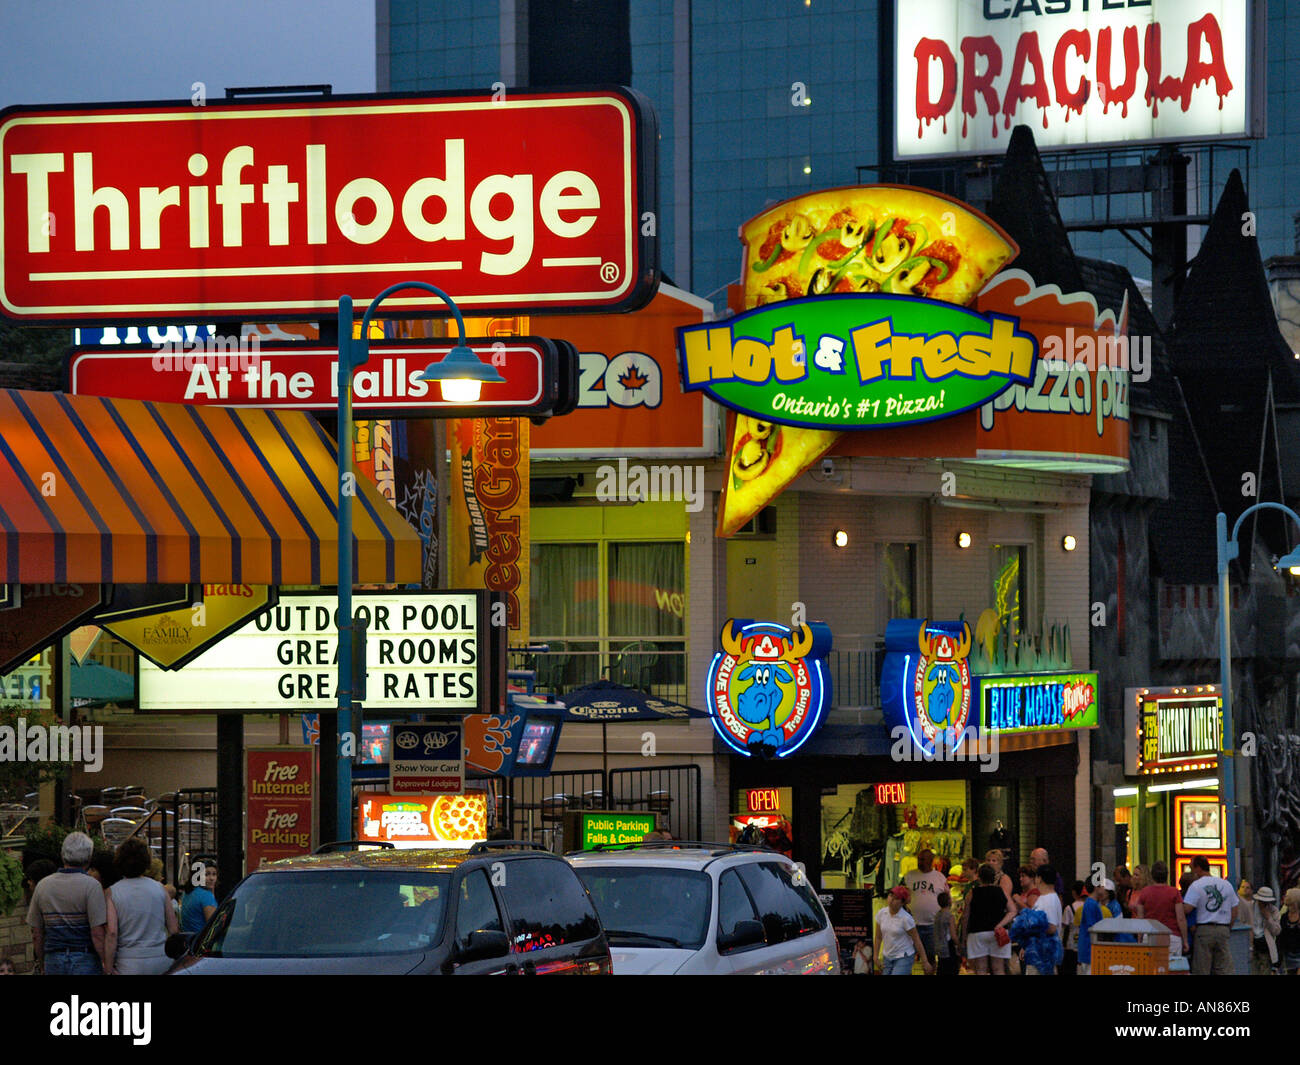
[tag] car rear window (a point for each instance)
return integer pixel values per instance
(546, 902)
(787, 910)
(329, 913)
(650, 907)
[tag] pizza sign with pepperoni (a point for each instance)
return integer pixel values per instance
(458, 818)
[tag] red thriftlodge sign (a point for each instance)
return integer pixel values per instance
(304, 376)
(516, 201)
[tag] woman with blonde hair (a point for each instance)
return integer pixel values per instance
(1003, 880)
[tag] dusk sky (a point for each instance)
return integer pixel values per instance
(70, 51)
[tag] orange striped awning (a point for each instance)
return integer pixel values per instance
(108, 491)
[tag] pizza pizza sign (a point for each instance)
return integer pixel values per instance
(768, 687)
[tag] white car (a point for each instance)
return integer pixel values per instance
(702, 908)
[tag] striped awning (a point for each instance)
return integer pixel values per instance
(120, 491)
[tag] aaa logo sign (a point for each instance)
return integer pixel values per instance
(856, 361)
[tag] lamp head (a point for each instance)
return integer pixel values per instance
(1289, 562)
(462, 375)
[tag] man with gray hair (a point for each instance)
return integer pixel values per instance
(68, 915)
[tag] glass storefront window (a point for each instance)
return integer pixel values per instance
(1010, 586)
(870, 840)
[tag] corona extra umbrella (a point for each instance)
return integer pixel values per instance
(606, 702)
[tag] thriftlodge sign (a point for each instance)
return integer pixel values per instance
(510, 200)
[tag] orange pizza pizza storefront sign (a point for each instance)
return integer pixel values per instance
(422, 820)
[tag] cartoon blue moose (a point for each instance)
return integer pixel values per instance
(763, 664)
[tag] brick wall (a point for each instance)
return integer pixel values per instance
(16, 940)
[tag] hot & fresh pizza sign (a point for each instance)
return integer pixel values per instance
(856, 361)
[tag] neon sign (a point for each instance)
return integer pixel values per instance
(768, 687)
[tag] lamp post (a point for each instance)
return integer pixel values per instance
(461, 373)
(1228, 550)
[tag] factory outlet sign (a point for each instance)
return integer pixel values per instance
(1080, 72)
(1038, 702)
(514, 200)
(769, 686)
(423, 651)
(1176, 729)
(856, 361)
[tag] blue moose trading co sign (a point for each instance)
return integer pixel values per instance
(925, 683)
(768, 687)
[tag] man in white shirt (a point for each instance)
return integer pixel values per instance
(1050, 903)
(926, 884)
(1215, 903)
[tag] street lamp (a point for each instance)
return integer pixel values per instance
(1228, 551)
(461, 374)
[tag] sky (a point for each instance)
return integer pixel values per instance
(90, 51)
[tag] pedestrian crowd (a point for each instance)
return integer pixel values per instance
(107, 913)
(1031, 927)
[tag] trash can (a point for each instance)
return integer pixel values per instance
(1147, 956)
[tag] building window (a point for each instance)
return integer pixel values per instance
(564, 590)
(897, 584)
(634, 634)
(1011, 587)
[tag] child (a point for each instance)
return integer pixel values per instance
(945, 938)
(1070, 928)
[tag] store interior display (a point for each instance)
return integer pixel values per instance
(869, 844)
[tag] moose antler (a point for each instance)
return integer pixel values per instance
(963, 644)
(923, 641)
(800, 642)
(735, 645)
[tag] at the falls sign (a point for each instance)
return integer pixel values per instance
(1079, 72)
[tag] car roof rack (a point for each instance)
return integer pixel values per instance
(677, 844)
(352, 845)
(484, 846)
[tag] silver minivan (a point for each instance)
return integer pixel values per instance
(670, 907)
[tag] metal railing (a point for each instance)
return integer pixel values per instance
(674, 792)
(534, 807)
(854, 680)
(654, 666)
(180, 829)
(660, 670)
